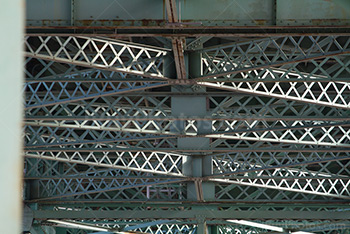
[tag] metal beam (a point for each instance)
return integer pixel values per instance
(126, 57)
(220, 148)
(179, 57)
(189, 31)
(157, 106)
(72, 92)
(320, 187)
(177, 42)
(39, 70)
(269, 52)
(293, 73)
(246, 163)
(294, 91)
(157, 163)
(298, 132)
(266, 15)
(43, 169)
(288, 142)
(62, 188)
(190, 214)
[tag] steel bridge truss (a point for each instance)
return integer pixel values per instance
(265, 129)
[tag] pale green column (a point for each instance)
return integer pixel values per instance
(11, 82)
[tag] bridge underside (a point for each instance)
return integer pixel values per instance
(187, 116)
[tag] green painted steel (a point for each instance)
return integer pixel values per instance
(124, 13)
(232, 122)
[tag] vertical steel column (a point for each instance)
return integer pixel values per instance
(196, 165)
(274, 12)
(194, 70)
(11, 25)
(72, 12)
(213, 229)
(189, 106)
(202, 228)
(201, 164)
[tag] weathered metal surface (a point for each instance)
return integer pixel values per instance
(227, 12)
(313, 12)
(51, 12)
(190, 214)
(203, 13)
(188, 31)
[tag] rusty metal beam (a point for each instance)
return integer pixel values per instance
(187, 31)
(179, 57)
(171, 11)
(177, 42)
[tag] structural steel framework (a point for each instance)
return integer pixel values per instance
(183, 131)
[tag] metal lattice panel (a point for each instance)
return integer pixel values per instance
(118, 127)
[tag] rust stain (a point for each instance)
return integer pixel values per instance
(324, 21)
(126, 23)
(85, 22)
(146, 22)
(260, 21)
(48, 22)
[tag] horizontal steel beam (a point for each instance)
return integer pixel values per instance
(197, 13)
(92, 52)
(322, 99)
(167, 164)
(188, 31)
(269, 164)
(183, 118)
(280, 131)
(80, 187)
(188, 150)
(54, 177)
(321, 187)
(66, 96)
(192, 214)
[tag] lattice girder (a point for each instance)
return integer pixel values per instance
(98, 53)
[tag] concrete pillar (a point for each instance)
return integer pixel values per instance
(11, 73)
